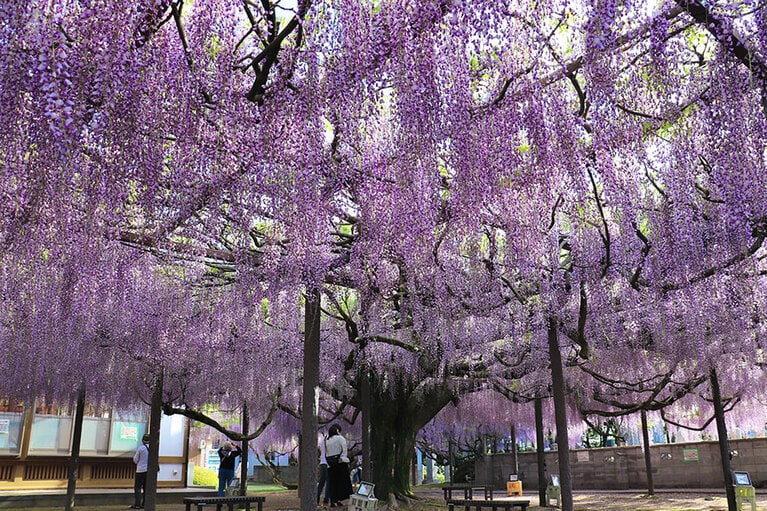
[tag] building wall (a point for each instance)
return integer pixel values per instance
(34, 451)
(682, 465)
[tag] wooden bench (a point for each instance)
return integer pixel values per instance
(201, 502)
(494, 505)
(468, 491)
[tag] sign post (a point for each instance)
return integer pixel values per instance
(744, 489)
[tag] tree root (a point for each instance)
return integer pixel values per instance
(394, 502)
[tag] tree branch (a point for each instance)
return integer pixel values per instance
(169, 409)
(724, 33)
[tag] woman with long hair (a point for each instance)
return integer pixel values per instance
(338, 466)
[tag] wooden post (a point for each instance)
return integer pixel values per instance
(74, 457)
(514, 456)
(307, 449)
(245, 450)
(724, 444)
(540, 454)
(155, 418)
(367, 457)
(560, 416)
(647, 458)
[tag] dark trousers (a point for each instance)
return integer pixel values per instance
(225, 476)
(139, 489)
(323, 481)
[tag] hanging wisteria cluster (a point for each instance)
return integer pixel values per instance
(454, 174)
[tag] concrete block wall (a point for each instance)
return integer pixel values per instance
(678, 465)
(262, 475)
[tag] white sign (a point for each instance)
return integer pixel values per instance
(128, 433)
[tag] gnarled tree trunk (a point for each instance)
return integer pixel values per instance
(396, 416)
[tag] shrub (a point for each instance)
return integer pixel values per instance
(205, 477)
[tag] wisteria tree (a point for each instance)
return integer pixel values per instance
(477, 172)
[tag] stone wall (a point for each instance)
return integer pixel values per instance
(288, 474)
(682, 465)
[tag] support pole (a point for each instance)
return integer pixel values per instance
(307, 450)
(560, 416)
(647, 458)
(74, 458)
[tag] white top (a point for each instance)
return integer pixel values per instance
(321, 444)
(141, 458)
(337, 445)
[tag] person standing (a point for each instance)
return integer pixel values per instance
(322, 477)
(226, 467)
(141, 459)
(338, 466)
(356, 472)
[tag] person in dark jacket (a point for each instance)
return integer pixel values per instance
(228, 457)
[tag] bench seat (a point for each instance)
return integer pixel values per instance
(201, 502)
(469, 491)
(493, 505)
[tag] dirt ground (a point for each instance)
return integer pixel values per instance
(431, 500)
(606, 501)
(583, 501)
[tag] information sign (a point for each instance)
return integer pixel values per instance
(690, 454)
(128, 432)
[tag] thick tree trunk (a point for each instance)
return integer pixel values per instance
(74, 459)
(392, 450)
(647, 457)
(155, 416)
(540, 453)
(398, 411)
(307, 454)
(560, 416)
(724, 444)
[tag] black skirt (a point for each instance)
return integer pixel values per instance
(340, 482)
